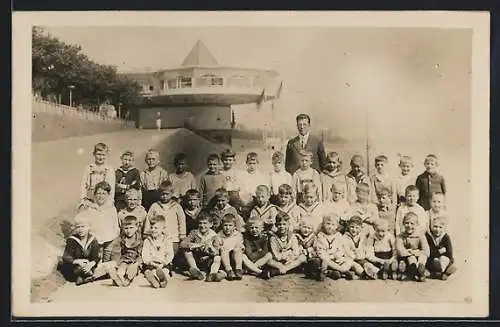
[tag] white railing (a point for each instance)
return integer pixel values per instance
(39, 105)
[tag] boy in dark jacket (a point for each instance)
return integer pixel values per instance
(440, 262)
(126, 177)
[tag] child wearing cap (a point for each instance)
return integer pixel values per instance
(127, 177)
(222, 208)
(382, 181)
(288, 205)
(192, 208)
(211, 180)
(332, 175)
(231, 248)
(363, 208)
(256, 256)
(305, 174)
(381, 250)
(411, 205)
(405, 178)
(134, 208)
(285, 248)
(355, 247)
(355, 176)
(440, 262)
(130, 247)
(339, 206)
(151, 178)
(182, 180)
(263, 209)
(306, 237)
(278, 176)
(413, 249)
(430, 181)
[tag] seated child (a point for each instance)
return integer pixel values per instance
(130, 243)
(332, 175)
(382, 181)
(278, 176)
(305, 174)
(221, 208)
(405, 178)
(381, 250)
(313, 208)
(157, 253)
(192, 208)
(201, 251)
(288, 205)
(231, 247)
(355, 176)
(437, 206)
(211, 181)
(264, 210)
(256, 257)
(81, 254)
(183, 180)
(411, 205)
(134, 208)
(306, 237)
(363, 208)
(429, 181)
(151, 179)
(169, 208)
(339, 206)
(413, 249)
(355, 247)
(127, 177)
(387, 210)
(440, 262)
(285, 248)
(248, 181)
(329, 247)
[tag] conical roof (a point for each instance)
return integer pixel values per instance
(199, 56)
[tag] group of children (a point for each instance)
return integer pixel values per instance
(231, 222)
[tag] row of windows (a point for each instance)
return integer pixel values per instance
(206, 80)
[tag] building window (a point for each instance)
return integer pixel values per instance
(210, 80)
(151, 87)
(172, 83)
(185, 82)
(162, 83)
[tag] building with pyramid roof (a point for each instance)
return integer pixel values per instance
(199, 93)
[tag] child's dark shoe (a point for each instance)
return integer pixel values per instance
(265, 274)
(84, 280)
(163, 283)
(230, 275)
(238, 274)
(196, 274)
(349, 275)
(152, 279)
(384, 275)
(321, 275)
(450, 270)
(334, 274)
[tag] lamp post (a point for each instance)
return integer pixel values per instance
(71, 87)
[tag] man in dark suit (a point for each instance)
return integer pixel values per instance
(307, 142)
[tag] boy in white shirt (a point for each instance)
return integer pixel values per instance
(339, 205)
(305, 174)
(411, 205)
(248, 181)
(405, 178)
(381, 180)
(278, 176)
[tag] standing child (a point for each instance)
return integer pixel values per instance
(288, 205)
(429, 181)
(172, 212)
(231, 248)
(183, 179)
(405, 178)
(339, 206)
(305, 174)
(332, 175)
(278, 176)
(263, 209)
(192, 208)
(364, 209)
(256, 258)
(313, 208)
(381, 250)
(95, 173)
(222, 208)
(228, 158)
(413, 249)
(249, 180)
(285, 248)
(130, 243)
(440, 263)
(211, 181)
(127, 177)
(133, 208)
(387, 210)
(151, 178)
(355, 176)
(382, 181)
(201, 251)
(306, 237)
(157, 254)
(355, 247)
(411, 205)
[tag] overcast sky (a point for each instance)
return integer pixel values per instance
(413, 82)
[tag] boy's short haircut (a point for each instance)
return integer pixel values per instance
(332, 217)
(384, 191)
(252, 156)
(179, 157)
(131, 192)
(165, 185)
(305, 153)
(306, 222)
(254, 221)
(433, 194)
(152, 153)
(159, 219)
(103, 186)
(430, 157)
(203, 216)
(228, 153)
(129, 221)
(101, 147)
(229, 218)
(127, 153)
(441, 220)
(411, 188)
(262, 188)
(358, 160)
(355, 220)
(334, 156)
(405, 159)
(282, 216)
(221, 192)
(278, 156)
(337, 187)
(381, 158)
(309, 187)
(363, 187)
(212, 157)
(285, 189)
(192, 193)
(303, 116)
(410, 215)
(381, 224)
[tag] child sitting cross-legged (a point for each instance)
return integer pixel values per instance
(355, 246)
(130, 242)
(381, 250)
(157, 253)
(306, 236)
(231, 248)
(440, 263)
(201, 251)
(256, 258)
(285, 247)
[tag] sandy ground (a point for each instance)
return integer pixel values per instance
(294, 288)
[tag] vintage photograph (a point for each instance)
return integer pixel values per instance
(291, 162)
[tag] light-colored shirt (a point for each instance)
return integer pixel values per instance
(402, 182)
(327, 180)
(103, 222)
(279, 178)
(300, 177)
(296, 214)
(230, 242)
(383, 181)
(174, 217)
(341, 208)
(94, 174)
(249, 182)
(182, 183)
(157, 250)
(231, 182)
(423, 217)
(151, 179)
(329, 246)
(314, 213)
